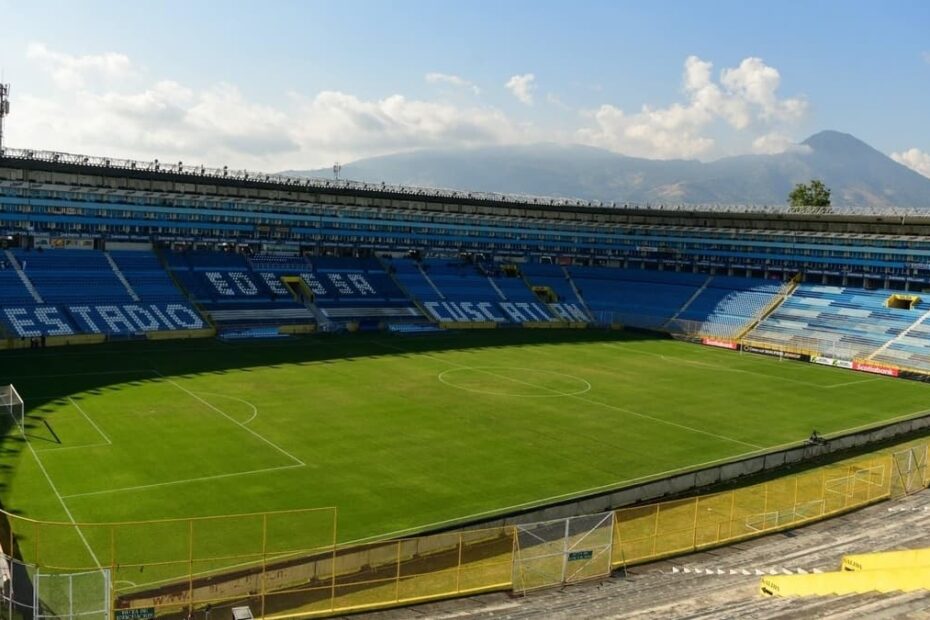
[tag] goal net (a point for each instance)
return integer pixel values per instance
(11, 403)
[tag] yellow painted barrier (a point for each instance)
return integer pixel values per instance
(648, 533)
(845, 582)
(297, 329)
(181, 334)
(907, 558)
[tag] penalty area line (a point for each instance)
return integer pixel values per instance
(92, 423)
(61, 499)
(230, 418)
(155, 485)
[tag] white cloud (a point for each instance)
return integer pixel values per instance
(452, 80)
(915, 159)
(220, 125)
(72, 71)
(522, 87)
(755, 83)
(349, 127)
(744, 97)
(774, 143)
(556, 101)
(105, 105)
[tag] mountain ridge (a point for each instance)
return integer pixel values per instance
(858, 174)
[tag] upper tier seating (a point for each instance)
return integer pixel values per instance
(835, 321)
(83, 294)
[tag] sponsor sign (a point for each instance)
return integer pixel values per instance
(139, 613)
(888, 371)
(716, 342)
(776, 353)
(580, 555)
(832, 361)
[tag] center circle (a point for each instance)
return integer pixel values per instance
(510, 381)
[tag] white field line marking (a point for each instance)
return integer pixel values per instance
(621, 409)
(588, 400)
(81, 447)
(241, 400)
(442, 379)
(681, 360)
(92, 423)
(231, 419)
(154, 485)
(58, 495)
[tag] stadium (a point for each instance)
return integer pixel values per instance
(287, 397)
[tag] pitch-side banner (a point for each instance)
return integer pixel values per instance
(832, 361)
(875, 369)
(800, 357)
(723, 344)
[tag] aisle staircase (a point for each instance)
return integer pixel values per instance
(778, 300)
(122, 278)
(24, 278)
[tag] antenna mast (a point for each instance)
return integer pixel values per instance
(337, 168)
(4, 110)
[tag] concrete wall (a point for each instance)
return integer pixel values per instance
(693, 481)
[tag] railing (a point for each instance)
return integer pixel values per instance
(295, 182)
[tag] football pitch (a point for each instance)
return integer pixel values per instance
(397, 433)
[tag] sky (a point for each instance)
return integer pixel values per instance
(294, 85)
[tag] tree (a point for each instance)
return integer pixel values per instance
(813, 196)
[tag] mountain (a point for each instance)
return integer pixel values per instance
(858, 174)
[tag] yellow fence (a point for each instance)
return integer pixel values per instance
(656, 531)
(288, 564)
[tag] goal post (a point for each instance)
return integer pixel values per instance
(11, 403)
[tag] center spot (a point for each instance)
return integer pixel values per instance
(508, 381)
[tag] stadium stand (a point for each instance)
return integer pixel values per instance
(68, 292)
(358, 290)
(725, 306)
(268, 290)
(636, 298)
(235, 296)
(455, 291)
(841, 322)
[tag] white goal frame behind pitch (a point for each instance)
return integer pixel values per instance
(12, 403)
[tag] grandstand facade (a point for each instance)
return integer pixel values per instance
(121, 249)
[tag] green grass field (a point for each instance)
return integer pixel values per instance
(397, 433)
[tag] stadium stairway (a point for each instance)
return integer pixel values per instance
(122, 278)
(840, 583)
(11, 258)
